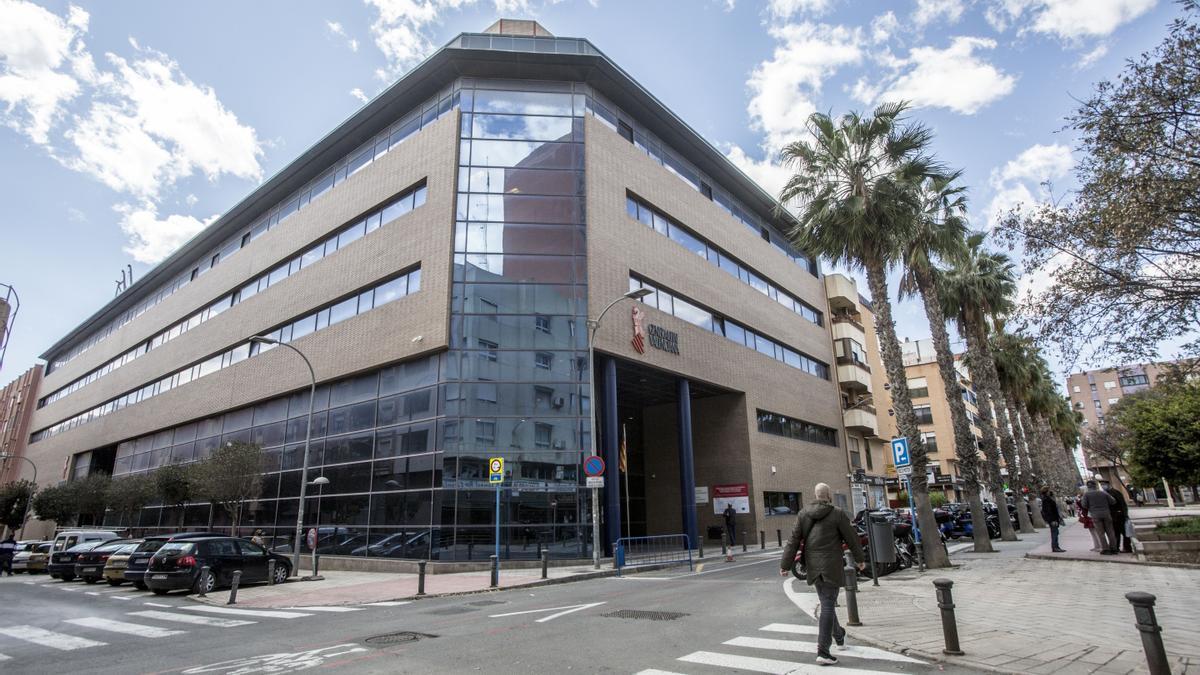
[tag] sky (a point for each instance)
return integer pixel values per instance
(126, 127)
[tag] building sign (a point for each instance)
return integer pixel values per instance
(737, 494)
(639, 331)
(659, 337)
(702, 494)
(666, 340)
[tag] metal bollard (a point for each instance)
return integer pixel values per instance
(203, 572)
(1147, 624)
(495, 570)
(545, 563)
(237, 578)
(851, 595)
(743, 541)
(316, 564)
(470, 550)
(949, 626)
(762, 540)
(421, 576)
(271, 572)
(779, 538)
(701, 545)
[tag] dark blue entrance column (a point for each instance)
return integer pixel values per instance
(687, 468)
(612, 473)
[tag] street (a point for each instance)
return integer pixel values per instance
(724, 617)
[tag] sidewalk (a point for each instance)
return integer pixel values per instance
(1029, 615)
(1078, 544)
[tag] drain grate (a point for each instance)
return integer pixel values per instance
(396, 638)
(486, 603)
(644, 614)
(446, 611)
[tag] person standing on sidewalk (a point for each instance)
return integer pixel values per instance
(1120, 514)
(730, 524)
(1099, 506)
(1052, 516)
(823, 529)
(8, 549)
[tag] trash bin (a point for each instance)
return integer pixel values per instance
(883, 541)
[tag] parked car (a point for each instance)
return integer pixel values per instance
(89, 565)
(135, 566)
(114, 567)
(33, 559)
(21, 556)
(62, 563)
(178, 565)
(70, 538)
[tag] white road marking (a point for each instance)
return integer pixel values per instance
(277, 663)
(951, 550)
(115, 589)
(4, 657)
(46, 638)
(270, 614)
(124, 627)
(327, 609)
(124, 597)
(156, 604)
(568, 609)
(792, 628)
(92, 593)
(192, 619)
(655, 671)
(757, 665)
(389, 603)
(808, 647)
(67, 588)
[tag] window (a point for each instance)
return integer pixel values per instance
(542, 324)
(781, 503)
(1075, 389)
(1097, 402)
(1109, 384)
(856, 459)
(543, 360)
(489, 347)
(918, 387)
(930, 441)
(1133, 381)
(924, 414)
(542, 434)
(781, 425)
(1112, 401)
(625, 130)
(485, 431)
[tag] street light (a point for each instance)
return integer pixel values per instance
(593, 325)
(320, 482)
(25, 515)
(312, 397)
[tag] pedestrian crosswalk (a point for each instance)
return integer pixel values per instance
(794, 654)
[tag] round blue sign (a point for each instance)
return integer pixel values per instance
(593, 466)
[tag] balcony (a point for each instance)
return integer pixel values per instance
(860, 420)
(842, 293)
(853, 376)
(847, 327)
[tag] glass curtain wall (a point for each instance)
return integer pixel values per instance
(514, 381)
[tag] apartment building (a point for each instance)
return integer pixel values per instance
(16, 408)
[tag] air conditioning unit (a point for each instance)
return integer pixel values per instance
(560, 444)
(559, 402)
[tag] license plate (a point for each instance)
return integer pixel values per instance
(89, 570)
(158, 577)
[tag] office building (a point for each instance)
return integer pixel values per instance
(16, 409)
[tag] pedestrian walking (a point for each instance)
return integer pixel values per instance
(1120, 515)
(1099, 506)
(730, 523)
(257, 538)
(1052, 516)
(8, 548)
(823, 530)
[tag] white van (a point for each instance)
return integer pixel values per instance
(62, 564)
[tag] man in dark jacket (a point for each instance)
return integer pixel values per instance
(1052, 516)
(1099, 506)
(823, 529)
(730, 524)
(1120, 515)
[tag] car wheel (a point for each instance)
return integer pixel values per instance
(206, 582)
(54, 576)
(282, 572)
(140, 585)
(113, 582)
(68, 577)
(160, 591)
(90, 580)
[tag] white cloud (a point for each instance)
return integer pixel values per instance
(1067, 19)
(783, 87)
(76, 215)
(768, 173)
(955, 78)
(42, 59)
(929, 11)
(1089, 59)
(358, 94)
(152, 239)
(883, 27)
(784, 9)
(337, 29)
(353, 44)
(1019, 181)
(191, 200)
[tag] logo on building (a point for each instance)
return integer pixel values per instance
(639, 331)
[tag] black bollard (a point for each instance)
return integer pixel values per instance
(743, 541)
(495, 570)
(779, 538)
(237, 578)
(203, 576)
(949, 626)
(470, 550)
(762, 540)
(851, 595)
(701, 544)
(271, 572)
(1147, 624)
(316, 565)
(545, 563)
(421, 576)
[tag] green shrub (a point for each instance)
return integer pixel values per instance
(1180, 526)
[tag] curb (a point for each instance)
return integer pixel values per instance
(1118, 561)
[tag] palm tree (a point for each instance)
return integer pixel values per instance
(1017, 370)
(939, 233)
(854, 191)
(978, 286)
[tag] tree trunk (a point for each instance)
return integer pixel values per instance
(965, 448)
(991, 382)
(1030, 468)
(988, 444)
(885, 329)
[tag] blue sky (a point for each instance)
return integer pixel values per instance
(125, 127)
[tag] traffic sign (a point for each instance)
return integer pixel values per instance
(312, 538)
(595, 481)
(904, 470)
(900, 453)
(496, 470)
(593, 466)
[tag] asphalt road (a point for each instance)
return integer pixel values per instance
(724, 617)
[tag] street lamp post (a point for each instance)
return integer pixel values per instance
(312, 397)
(320, 482)
(24, 516)
(593, 325)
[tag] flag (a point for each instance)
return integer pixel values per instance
(624, 463)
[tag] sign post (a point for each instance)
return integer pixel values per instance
(496, 477)
(903, 462)
(593, 468)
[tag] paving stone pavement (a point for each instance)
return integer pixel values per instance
(1026, 615)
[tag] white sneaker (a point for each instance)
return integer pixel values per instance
(826, 659)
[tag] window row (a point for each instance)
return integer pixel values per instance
(421, 117)
(679, 307)
(789, 427)
(406, 202)
(664, 225)
(372, 297)
(658, 151)
(524, 269)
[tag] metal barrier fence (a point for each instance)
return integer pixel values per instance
(662, 549)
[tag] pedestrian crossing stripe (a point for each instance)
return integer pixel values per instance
(192, 619)
(4, 657)
(137, 629)
(389, 603)
(795, 646)
(270, 614)
(47, 638)
(760, 665)
(327, 609)
(791, 628)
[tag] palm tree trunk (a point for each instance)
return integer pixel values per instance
(964, 441)
(988, 444)
(1004, 434)
(1025, 446)
(893, 362)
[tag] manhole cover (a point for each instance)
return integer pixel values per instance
(397, 638)
(486, 603)
(644, 614)
(451, 610)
